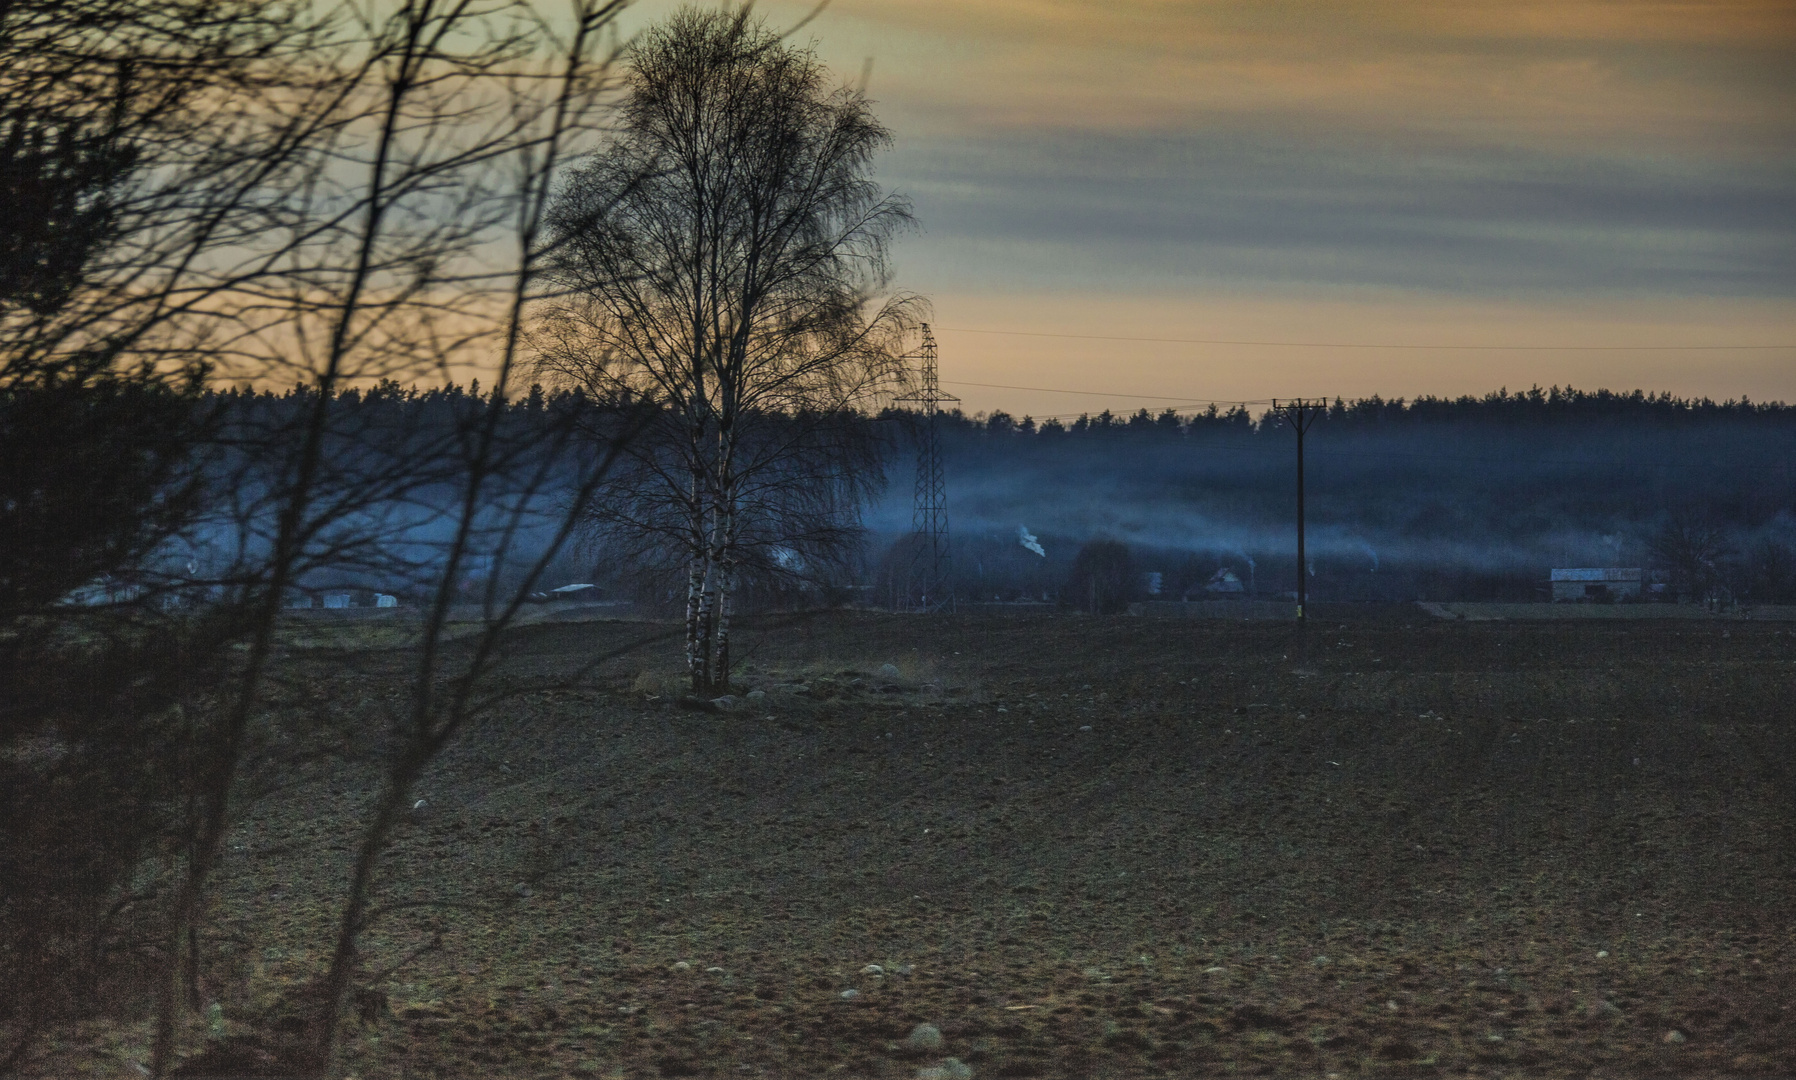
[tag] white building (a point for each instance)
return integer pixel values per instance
(1598, 583)
(1225, 581)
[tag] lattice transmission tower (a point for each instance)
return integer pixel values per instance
(931, 579)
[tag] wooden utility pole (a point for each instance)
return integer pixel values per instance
(1300, 414)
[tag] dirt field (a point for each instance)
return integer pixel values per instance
(1074, 847)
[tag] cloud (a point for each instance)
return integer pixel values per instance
(1513, 146)
(1716, 75)
(1127, 210)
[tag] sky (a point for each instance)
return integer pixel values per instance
(1334, 199)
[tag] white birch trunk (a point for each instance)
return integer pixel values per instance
(695, 579)
(726, 583)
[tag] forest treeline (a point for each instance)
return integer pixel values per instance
(1533, 407)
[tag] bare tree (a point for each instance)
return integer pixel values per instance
(135, 138)
(413, 247)
(1768, 570)
(1102, 578)
(324, 195)
(1691, 546)
(724, 256)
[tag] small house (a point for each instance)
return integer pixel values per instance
(1598, 584)
(1224, 581)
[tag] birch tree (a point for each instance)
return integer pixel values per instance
(725, 257)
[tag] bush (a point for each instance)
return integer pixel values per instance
(102, 731)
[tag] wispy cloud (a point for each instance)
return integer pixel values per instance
(1714, 74)
(1148, 210)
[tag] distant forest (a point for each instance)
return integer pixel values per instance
(1463, 498)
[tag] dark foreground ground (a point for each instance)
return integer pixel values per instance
(1077, 847)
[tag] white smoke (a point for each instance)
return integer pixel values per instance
(1252, 568)
(1029, 540)
(1368, 549)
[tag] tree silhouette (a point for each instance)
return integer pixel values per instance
(1691, 546)
(724, 255)
(1102, 579)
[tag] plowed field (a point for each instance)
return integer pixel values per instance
(1074, 846)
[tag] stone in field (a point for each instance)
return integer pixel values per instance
(924, 1037)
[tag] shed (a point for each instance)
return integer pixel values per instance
(1224, 580)
(1596, 583)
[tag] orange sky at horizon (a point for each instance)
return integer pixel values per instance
(1123, 375)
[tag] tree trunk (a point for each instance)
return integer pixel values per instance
(704, 626)
(695, 587)
(720, 657)
(389, 807)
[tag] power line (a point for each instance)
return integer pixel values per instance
(1364, 345)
